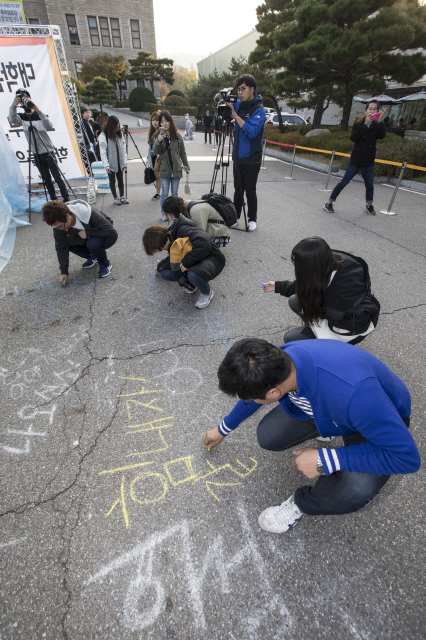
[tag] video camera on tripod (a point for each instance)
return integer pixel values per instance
(24, 97)
(222, 99)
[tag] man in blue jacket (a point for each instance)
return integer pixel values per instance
(324, 388)
(249, 116)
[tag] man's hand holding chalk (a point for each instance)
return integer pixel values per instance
(213, 437)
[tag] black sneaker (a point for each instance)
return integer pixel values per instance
(328, 207)
(90, 262)
(370, 209)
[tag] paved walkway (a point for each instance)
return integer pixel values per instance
(116, 523)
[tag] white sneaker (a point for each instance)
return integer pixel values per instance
(117, 201)
(327, 439)
(252, 225)
(280, 518)
(163, 217)
(204, 300)
(124, 200)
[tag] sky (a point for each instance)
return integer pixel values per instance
(196, 29)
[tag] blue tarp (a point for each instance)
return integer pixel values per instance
(13, 200)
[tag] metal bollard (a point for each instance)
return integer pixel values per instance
(264, 152)
(389, 212)
(292, 165)
(329, 173)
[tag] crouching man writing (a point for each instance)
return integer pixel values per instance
(324, 388)
(83, 230)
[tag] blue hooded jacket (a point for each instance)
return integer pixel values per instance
(248, 139)
(350, 391)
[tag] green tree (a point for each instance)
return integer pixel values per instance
(146, 68)
(337, 48)
(79, 86)
(99, 91)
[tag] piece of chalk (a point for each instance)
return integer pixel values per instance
(263, 285)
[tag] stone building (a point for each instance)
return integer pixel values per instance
(98, 26)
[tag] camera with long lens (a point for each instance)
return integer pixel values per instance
(184, 282)
(24, 96)
(222, 98)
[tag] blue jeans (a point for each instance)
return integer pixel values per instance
(202, 285)
(340, 492)
(165, 186)
(368, 176)
(94, 246)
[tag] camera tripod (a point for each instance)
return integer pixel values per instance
(129, 135)
(33, 133)
(223, 164)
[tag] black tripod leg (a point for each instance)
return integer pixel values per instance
(60, 171)
(29, 179)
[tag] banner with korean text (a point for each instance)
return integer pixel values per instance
(30, 63)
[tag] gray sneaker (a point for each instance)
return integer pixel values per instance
(328, 207)
(117, 201)
(124, 200)
(280, 518)
(204, 300)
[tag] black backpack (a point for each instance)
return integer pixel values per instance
(223, 205)
(365, 309)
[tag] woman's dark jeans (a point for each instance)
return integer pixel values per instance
(111, 177)
(198, 282)
(340, 492)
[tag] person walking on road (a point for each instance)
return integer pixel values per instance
(365, 134)
(114, 156)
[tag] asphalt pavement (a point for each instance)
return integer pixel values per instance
(116, 523)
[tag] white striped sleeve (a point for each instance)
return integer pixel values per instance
(223, 429)
(330, 460)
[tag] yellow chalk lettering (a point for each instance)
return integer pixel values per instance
(121, 500)
(210, 484)
(148, 474)
(148, 405)
(187, 463)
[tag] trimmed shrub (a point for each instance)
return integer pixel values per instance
(123, 104)
(175, 101)
(140, 97)
(175, 111)
(176, 92)
(422, 125)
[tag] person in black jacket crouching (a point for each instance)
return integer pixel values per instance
(331, 294)
(364, 133)
(83, 230)
(193, 258)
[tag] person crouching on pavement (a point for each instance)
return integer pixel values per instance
(203, 214)
(323, 388)
(83, 230)
(193, 258)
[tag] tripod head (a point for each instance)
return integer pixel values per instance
(125, 129)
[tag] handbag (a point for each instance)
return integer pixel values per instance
(149, 175)
(187, 187)
(158, 161)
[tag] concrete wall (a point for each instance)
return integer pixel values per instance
(53, 12)
(221, 59)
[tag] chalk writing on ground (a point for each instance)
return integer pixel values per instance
(144, 600)
(141, 483)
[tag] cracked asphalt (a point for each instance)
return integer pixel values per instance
(115, 522)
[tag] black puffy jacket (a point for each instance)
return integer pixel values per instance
(364, 151)
(205, 259)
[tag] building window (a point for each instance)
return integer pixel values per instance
(78, 69)
(93, 30)
(106, 38)
(72, 28)
(115, 32)
(136, 34)
(33, 21)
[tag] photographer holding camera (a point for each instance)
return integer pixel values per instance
(35, 125)
(249, 116)
(365, 134)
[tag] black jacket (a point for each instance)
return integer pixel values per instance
(87, 132)
(98, 226)
(205, 259)
(208, 121)
(364, 151)
(350, 285)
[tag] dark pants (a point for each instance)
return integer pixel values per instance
(46, 166)
(91, 158)
(111, 177)
(304, 332)
(94, 246)
(208, 131)
(340, 492)
(368, 176)
(245, 180)
(198, 282)
(218, 135)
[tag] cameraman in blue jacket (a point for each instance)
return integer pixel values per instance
(249, 116)
(323, 388)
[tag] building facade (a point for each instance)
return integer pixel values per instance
(98, 26)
